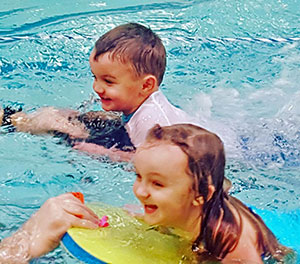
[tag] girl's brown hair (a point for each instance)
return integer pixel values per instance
(220, 230)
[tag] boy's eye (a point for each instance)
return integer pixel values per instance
(138, 177)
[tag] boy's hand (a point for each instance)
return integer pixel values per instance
(1, 115)
(90, 148)
(47, 226)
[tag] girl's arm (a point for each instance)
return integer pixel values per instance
(43, 231)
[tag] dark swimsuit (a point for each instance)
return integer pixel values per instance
(104, 132)
(6, 120)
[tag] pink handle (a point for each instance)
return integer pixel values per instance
(103, 221)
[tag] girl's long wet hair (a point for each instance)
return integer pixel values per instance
(220, 230)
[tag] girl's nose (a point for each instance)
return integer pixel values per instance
(141, 191)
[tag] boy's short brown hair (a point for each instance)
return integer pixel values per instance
(137, 45)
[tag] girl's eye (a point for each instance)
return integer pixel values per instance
(108, 81)
(138, 177)
(94, 76)
(157, 184)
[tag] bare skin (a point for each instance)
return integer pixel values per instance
(43, 231)
(47, 120)
(114, 154)
(1, 115)
(246, 250)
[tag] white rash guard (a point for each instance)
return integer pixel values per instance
(156, 109)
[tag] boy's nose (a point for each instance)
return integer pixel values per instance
(98, 88)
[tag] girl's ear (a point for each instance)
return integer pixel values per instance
(198, 201)
(149, 84)
(211, 190)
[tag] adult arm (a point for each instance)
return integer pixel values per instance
(43, 231)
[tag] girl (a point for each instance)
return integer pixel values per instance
(180, 174)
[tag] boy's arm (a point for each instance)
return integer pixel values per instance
(49, 119)
(113, 153)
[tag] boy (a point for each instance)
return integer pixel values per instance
(128, 64)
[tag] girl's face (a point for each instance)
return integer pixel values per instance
(163, 186)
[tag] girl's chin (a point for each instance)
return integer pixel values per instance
(151, 222)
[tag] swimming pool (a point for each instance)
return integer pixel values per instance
(234, 65)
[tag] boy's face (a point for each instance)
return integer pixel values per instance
(116, 84)
(163, 186)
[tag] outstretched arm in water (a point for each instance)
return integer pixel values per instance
(43, 231)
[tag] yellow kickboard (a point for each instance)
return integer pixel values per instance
(125, 241)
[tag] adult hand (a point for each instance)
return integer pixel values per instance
(47, 226)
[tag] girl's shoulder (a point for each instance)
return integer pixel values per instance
(247, 248)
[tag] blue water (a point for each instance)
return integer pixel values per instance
(234, 65)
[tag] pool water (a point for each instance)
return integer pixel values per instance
(233, 65)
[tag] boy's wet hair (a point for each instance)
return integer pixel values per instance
(136, 44)
(220, 230)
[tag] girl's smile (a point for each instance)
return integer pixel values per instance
(164, 187)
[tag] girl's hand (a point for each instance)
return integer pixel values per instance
(47, 226)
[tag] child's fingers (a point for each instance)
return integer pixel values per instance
(79, 145)
(91, 148)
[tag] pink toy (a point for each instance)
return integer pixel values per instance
(103, 221)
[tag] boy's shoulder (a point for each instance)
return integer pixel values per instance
(156, 109)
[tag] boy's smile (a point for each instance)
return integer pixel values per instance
(116, 84)
(163, 185)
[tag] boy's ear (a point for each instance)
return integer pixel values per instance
(149, 84)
